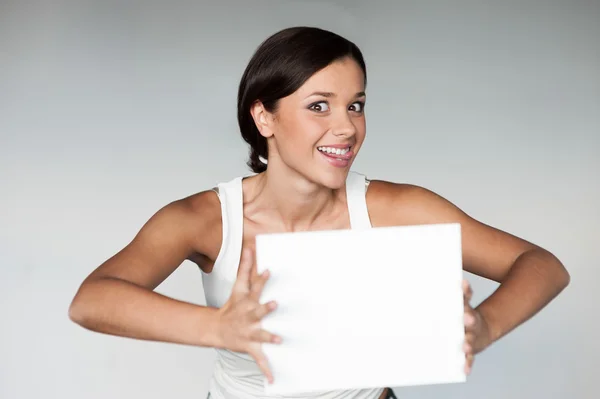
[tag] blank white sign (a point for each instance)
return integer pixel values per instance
(364, 308)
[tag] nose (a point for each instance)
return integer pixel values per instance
(343, 125)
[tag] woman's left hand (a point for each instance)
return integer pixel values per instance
(477, 335)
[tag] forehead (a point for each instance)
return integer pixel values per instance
(341, 77)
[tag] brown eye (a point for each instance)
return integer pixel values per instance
(358, 106)
(321, 106)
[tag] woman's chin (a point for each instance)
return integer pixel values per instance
(334, 179)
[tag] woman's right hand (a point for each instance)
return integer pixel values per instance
(240, 318)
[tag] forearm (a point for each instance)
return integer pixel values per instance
(117, 307)
(534, 280)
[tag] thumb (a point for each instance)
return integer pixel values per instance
(242, 283)
(467, 290)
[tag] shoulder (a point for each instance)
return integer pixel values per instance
(487, 251)
(192, 219)
(197, 208)
(203, 207)
(201, 213)
(392, 203)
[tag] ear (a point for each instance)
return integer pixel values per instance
(262, 118)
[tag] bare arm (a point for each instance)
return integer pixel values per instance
(118, 298)
(529, 276)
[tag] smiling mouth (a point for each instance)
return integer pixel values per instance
(337, 156)
(332, 151)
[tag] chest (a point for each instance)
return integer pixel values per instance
(241, 224)
(219, 275)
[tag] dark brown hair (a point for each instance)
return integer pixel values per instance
(280, 65)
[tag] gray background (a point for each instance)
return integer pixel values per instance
(109, 110)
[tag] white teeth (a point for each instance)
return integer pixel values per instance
(331, 150)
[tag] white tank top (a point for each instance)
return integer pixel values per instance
(236, 375)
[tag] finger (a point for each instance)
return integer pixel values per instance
(470, 338)
(470, 359)
(242, 283)
(262, 363)
(258, 285)
(254, 276)
(264, 310)
(254, 270)
(467, 349)
(467, 291)
(264, 336)
(468, 345)
(469, 319)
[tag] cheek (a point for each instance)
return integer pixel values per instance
(304, 129)
(360, 129)
(361, 126)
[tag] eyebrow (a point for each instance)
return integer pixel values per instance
(329, 94)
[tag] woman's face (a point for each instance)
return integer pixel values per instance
(318, 130)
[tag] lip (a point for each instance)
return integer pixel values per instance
(337, 145)
(340, 161)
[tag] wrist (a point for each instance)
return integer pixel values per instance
(208, 325)
(488, 329)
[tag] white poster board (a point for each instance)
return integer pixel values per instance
(364, 308)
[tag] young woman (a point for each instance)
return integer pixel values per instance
(301, 108)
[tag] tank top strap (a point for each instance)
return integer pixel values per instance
(356, 189)
(217, 284)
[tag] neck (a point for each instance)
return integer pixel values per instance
(291, 198)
